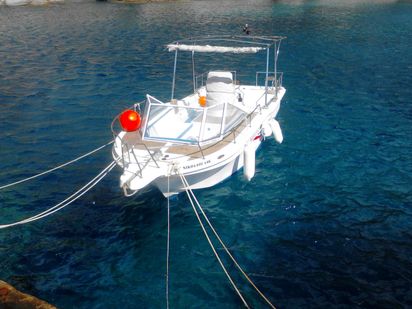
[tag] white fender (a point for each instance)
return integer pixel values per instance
(277, 132)
(249, 155)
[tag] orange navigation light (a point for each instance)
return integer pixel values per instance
(202, 101)
(130, 120)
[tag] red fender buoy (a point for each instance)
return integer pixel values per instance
(130, 120)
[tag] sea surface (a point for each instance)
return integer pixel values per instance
(325, 223)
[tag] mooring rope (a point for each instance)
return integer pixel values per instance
(68, 200)
(168, 242)
(186, 184)
(55, 168)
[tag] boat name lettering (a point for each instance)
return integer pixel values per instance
(196, 165)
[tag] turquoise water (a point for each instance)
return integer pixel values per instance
(325, 223)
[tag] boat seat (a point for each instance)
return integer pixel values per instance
(219, 89)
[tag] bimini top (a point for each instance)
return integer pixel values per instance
(214, 49)
(238, 44)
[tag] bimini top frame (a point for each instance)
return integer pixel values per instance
(236, 44)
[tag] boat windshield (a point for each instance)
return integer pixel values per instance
(178, 123)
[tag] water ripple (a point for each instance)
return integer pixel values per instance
(326, 222)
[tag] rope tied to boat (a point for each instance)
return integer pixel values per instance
(191, 195)
(57, 167)
(168, 241)
(67, 201)
(72, 197)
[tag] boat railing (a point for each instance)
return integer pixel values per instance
(273, 82)
(224, 117)
(129, 156)
(136, 107)
(127, 153)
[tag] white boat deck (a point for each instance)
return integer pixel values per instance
(136, 148)
(171, 151)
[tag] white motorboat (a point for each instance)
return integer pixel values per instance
(209, 134)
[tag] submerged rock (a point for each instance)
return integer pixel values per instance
(16, 2)
(11, 298)
(38, 2)
(140, 1)
(28, 2)
(45, 2)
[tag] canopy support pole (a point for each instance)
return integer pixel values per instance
(266, 79)
(193, 71)
(277, 47)
(174, 77)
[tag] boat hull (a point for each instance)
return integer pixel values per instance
(164, 163)
(201, 179)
